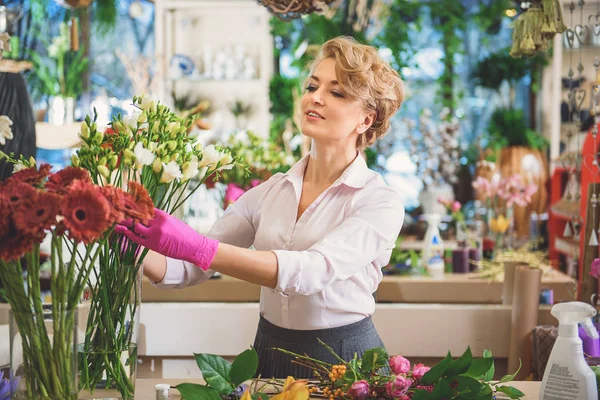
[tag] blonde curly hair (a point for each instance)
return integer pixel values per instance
(363, 75)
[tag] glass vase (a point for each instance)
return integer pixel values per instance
(43, 354)
(108, 353)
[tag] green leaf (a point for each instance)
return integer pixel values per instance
(470, 384)
(421, 394)
(260, 396)
(215, 371)
(373, 359)
(192, 391)
(436, 371)
(487, 353)
(508, 378)
(244, 367)
(511, 392)
(480, 367)
(442, 389)
(461, 364)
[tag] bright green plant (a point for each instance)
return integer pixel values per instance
(509, 127)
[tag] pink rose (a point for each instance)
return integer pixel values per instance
(404, 397)
(399, 365)
(359, 390)
(595, 268)
(456, 206)
(232, 193)
(398, 387)
(419, 370)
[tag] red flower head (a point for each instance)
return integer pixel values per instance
(33, 176)
(5, 213)
(41, 215)
(20, 195)
(60, 181)
(115, 199)
(138, 204)
(15, 243)
(86, 212)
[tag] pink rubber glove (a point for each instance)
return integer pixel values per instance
(173, 238)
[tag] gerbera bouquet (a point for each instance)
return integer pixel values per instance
(78, 218)
(151, 148)
(263, 159)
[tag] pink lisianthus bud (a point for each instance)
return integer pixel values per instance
(398, 387)
(399, 365)
(456, 206)
(359, 390)
(419, 370)
(595, 268)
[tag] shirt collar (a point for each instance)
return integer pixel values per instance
(356, 175)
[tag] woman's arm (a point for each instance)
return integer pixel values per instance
(259, 267)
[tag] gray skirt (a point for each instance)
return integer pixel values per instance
(344, 340)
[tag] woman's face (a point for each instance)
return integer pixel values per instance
(328, 116)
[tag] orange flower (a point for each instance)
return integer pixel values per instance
(293, 390)
(500, 224)
(86, 212)
(33, 176)
(138, 203)
(40, 216)
(116, 199)
(60, 181)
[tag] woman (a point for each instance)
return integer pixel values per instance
(322, 231)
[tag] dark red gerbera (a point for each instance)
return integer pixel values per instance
(33, 176)
(5, 213)
(137, 203)
(115, 199)
(60, 181)
(86, 212)
(20, 195)
(14, 243)
(40, 216)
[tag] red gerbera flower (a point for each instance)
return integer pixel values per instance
(115, 199)
(20, 195)
(5, 212)
(32, 175)
(60, 181)
(40, 216)
(15, 243)
(86, 212)
(138, 204)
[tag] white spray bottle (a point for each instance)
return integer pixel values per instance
(567, 376)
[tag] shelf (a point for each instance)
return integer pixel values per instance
(564, 209)
(569, 247)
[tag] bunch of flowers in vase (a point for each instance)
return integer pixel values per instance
(77, 217)
(151, 148)
(263, 159)
(501, 196)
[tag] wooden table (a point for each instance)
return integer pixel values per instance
(453, 289)
(145, 388)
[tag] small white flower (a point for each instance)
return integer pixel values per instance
(142, 156)
(190, 171)
(170, 171)
(4, 42)
(210, 156)
(19, 167)
(202, 173)
(147, 102)
(289, 160)
(5, 130)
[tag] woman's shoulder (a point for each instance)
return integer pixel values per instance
(378, 191)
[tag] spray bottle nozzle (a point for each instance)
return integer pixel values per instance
(590, 329)
(570, 314)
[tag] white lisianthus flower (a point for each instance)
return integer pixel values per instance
(147, 102)
(190, 171)
(170, 171)
(19, 166)
(5, 129)
(210, 156)
(4, 43)
(152, 146)
(202, 173)
(142, 156)
(131, 122)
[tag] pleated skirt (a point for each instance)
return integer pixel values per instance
(344, 340)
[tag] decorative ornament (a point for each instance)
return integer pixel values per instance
(568, 232)
(534, 28)
(287, 10)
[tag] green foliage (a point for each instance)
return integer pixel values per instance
(509, 127)
(105, 15)
(221, 377)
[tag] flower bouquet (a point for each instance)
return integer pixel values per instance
(263, 159)
(374, 376)
(78, 218)
(152, 149)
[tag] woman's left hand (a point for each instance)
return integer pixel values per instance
(171, 237)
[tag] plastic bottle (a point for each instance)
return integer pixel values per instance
(567, 375)
(433, 243)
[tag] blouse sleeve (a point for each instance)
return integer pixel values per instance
(367, 234)
(237, 227)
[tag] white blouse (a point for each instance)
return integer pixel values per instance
(329, 261)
